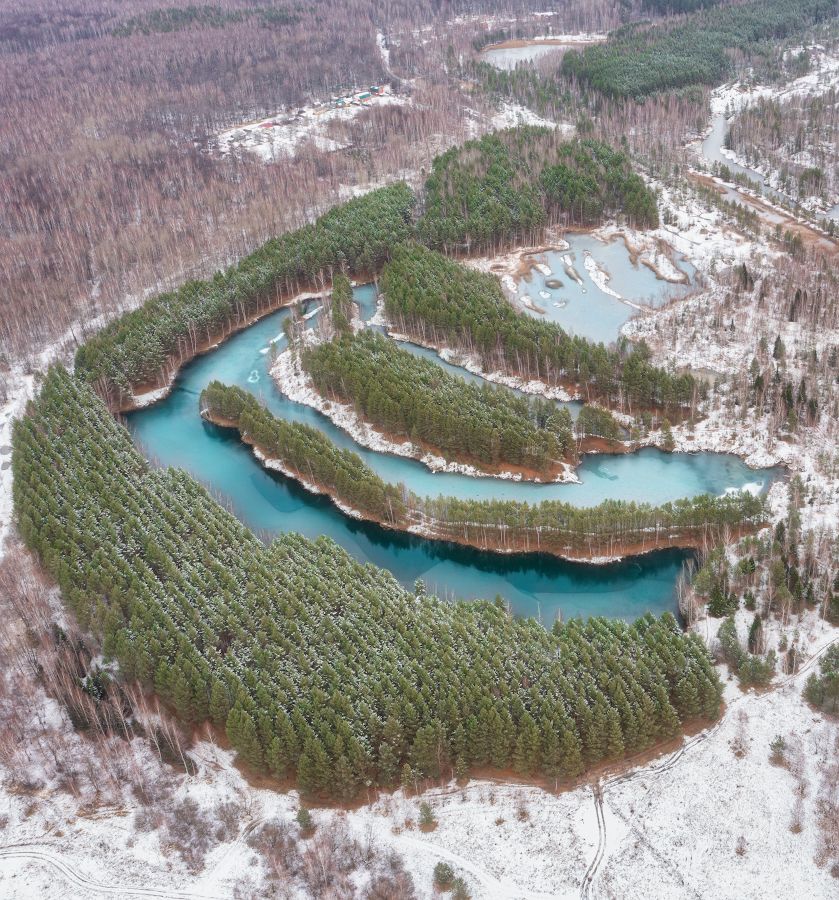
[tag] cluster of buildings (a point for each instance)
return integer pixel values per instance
(356, 98)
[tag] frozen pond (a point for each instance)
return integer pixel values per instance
(584, 302)
(507, 58)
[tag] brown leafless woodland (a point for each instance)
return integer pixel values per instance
(109, 183)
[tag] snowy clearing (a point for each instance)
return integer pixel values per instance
(289, 131)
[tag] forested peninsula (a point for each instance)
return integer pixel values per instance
(613, 528)
(411, 397)
(318, 667)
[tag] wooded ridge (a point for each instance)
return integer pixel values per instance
(551, 526)
(412, 397)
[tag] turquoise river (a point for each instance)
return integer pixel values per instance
(171, 432)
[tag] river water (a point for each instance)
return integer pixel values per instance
(712, 147)
(171, 432)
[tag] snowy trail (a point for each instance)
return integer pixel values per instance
(32, 853)
(669, 763)
(498, 890)
(600, 851)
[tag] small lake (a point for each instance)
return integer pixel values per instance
(581, 306)
(172, 433)
(507, 58)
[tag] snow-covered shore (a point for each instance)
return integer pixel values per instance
(298, 386)
(472, 364)
(601, 279)
(277, 465)
(648, 248)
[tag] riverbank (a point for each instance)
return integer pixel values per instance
(144, 395)
(651, 251)
(298, 386)
(590, 548)
(516, 264)
(560, 390)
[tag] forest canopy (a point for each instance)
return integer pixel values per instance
(135, 348)
(642, 59)
(502, 188)
(548, 526)
(305, 451)
(506, 186)
(316, 666)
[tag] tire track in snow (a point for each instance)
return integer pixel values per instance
(594, 865)
(669, 763)
(35, 854)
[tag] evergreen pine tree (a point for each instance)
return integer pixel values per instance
(526, 757)
(241, 731)
(313, 768)
(219, 703)
(614, 736)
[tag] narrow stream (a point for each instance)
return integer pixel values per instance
(712, 147)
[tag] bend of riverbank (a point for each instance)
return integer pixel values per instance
(512, 265)
(144, 395)
(298, 386)
(589, 547)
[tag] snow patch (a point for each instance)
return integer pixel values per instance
(285, 134)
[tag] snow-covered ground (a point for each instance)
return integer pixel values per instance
(713, 246)
(713, 818)
(601, 277)
(732, 98)
(701, 234)
(650, 248)
(723, 821)
(22, 390)
(510, 115)
(285, 133)
(823, 77)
